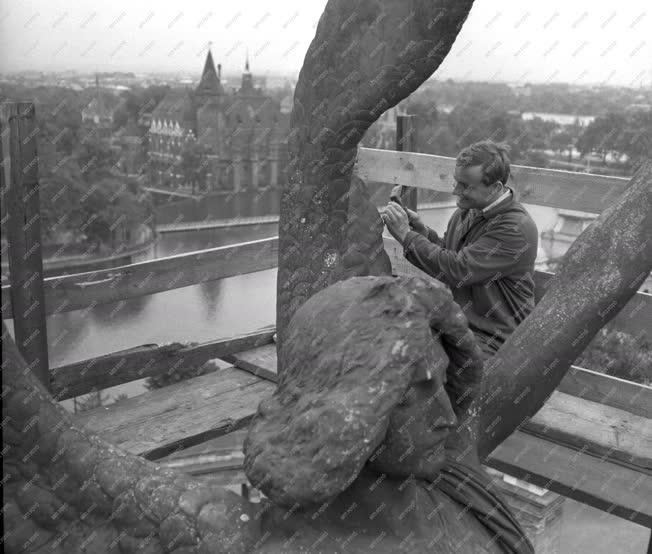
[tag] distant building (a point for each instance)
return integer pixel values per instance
(560, 118)
(236, 140)
(99, 112)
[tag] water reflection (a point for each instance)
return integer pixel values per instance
(210, 296)
(107, 315)
(65, 334)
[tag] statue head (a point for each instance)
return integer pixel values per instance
(353, 392)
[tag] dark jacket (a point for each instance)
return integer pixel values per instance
(488, 261)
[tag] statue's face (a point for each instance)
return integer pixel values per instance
(417, 432)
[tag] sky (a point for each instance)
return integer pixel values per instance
(575, 41)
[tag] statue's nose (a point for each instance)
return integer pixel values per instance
(448, 417)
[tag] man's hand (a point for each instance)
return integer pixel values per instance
(416, 223)
(396, 220)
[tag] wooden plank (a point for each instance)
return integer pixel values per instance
(544, 187)
(592, 386)
(598, 482)
(162, 421)
(86, 290)
(634, 318)
(595, 428)
(146, 360)
(406, 142)
(208, 463)
(606, 416)
(216, 223)
(23, 232)
(222, 447)
(610, 417)
(219, 476)
(607, 390)
(258, 361)
(157, 423)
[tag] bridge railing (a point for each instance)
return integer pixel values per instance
(597, 425)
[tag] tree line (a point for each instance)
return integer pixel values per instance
(450, 116)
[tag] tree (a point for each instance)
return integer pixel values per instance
(534, 158)
(95, 157)
(636, 137)
(96, 211)
(193, 164)
(619, 354)
(604, 135)
(439, 140)
(59, 195)
(561, 141)
(107, 206)
(475, 121)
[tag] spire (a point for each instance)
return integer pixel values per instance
(209, 85)
(247, 86)
(98, 96)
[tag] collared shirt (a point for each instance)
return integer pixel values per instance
(487, 259)
(498, 200)
(473, 213)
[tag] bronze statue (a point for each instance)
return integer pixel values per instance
(384, 480)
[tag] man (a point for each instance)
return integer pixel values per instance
(488, 252)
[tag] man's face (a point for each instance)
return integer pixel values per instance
(472, 193)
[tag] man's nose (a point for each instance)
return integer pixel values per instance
(457, 190)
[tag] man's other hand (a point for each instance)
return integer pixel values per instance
(416, 223)
(396, 220)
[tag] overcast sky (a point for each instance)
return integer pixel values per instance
(578, 41)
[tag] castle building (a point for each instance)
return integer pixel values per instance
(218, 141)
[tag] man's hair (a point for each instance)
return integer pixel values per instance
(491, 156)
